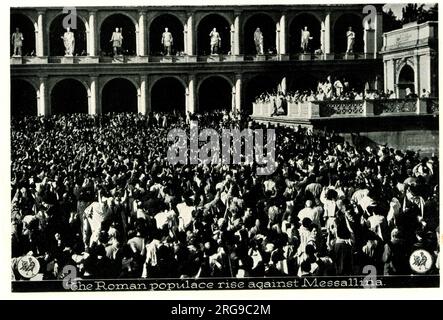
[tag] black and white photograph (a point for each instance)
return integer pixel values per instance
(223, 147)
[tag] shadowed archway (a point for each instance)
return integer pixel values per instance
(215, 93)
(119, 95)
(23, 99)
(69, 96)
(168, 95)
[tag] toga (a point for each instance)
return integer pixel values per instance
(167, 39)
(258, 37)
(305, 36)
(215, 38)
(351, 37)
(117, 39)
(17, 39)
(69, 42)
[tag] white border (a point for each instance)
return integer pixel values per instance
(286, 294)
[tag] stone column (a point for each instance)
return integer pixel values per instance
(190, 94)
(394, 76)
(232, 39)
(190, 34)
(238, 92)
(326, 34)
(185, 37)
(283, 33)
(277, 37)
(144, 105)
(417, 75)
(39, 39)
(92, 35)
(43, 106)
(369, 42)
(233, 97)
(378, 33)
(283, 84)
(426, 82)
(236, 49)
(94, 99)
(142, 33)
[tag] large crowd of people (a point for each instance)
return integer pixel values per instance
(98, 193)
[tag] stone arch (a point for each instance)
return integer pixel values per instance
(155, 79)
(27, 28)
(214, 93)
(340, 27)
(406, 79)
(69, 95)
(161, 98)
(156, 29)
(119, 94)
(130, 32)
(55, 30)
(204, 26)
(23, 98)
(267, 25)
(297, 23)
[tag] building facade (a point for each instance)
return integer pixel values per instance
(44, 81)
(410, 59)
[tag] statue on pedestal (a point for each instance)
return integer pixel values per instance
(305, 37)
(17, 42)
(350, 35)
(258, 40)
(215, 41)
(117, 41)
(69, 42)
(167, 41)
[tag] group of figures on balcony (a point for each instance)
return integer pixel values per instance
(167, 41)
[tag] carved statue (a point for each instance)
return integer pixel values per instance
(69, 42)
(305, 37)
(215, 41)
(167, 42)
(350, 35)
(258, 40)
(17, 42)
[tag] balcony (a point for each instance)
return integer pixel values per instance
(317, 110)
(189, 59)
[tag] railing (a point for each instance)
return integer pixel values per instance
(395, 106)
(189, 59)
(351, 108)
(431, 105)
(342, 108)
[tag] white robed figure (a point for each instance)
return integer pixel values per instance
(258, 40)
(350, 35)
(95, 214)
(167, 42)
(215, 41)
(69, 42)
(305, 37)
